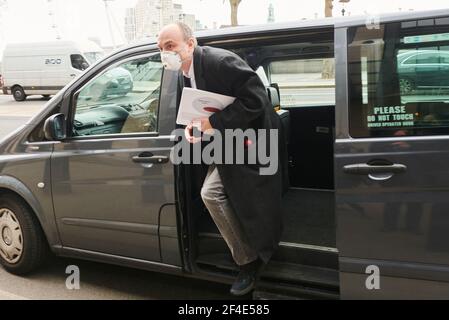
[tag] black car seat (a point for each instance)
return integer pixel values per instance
(284, 115)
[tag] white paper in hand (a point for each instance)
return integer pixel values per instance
(200, 104)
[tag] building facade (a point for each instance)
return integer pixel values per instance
(130, 25)
(188, 19)
(149, 16)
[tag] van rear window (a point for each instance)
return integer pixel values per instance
(398, 77)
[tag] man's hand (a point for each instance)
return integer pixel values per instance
(205, 124)
(201, 125)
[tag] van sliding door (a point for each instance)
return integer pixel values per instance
(392, 159)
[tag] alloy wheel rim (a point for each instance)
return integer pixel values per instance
(405, 85)
(11, 238)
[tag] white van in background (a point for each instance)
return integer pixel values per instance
(43, 68)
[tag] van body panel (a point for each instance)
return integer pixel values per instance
(23, 167)
(121, 200)
(368, 211)
(120, 261)
(392, 288)
(392, 227)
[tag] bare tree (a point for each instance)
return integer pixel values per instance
(328, 64)
(234, 11)
(328, 6)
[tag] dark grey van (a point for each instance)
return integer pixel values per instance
(367, 212)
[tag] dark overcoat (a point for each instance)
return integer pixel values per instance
(255, 198)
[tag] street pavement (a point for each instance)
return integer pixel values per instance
(97, 281)
(104, 282)
(11, 108)
(13, 114)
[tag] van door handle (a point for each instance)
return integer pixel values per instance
(364, 169)
(150, 159)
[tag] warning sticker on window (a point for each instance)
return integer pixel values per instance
(394, 116)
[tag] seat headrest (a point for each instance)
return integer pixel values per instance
(274, 97)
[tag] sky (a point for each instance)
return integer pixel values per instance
(29, 20)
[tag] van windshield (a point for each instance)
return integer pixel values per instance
(93, 57)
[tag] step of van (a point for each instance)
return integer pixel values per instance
(211, 243)
(267, 291)
(283, 277)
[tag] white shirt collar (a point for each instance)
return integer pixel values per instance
(191, 73)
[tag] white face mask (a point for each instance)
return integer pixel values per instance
(171, 60)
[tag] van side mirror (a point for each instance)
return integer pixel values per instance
(55, 127)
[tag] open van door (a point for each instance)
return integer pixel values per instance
(392, 161)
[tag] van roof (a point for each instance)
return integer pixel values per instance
(88, 45)
(336, 22)
(55, 43)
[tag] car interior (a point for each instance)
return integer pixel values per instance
(307, 253)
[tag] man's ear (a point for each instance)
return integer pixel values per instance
(192, 44)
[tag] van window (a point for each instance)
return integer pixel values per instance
(122, 99)
(399, 79)
(304, 82)
(78, 62)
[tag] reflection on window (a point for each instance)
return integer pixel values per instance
(123, 99)
(399, 79)
(305, 82)
(93, 57)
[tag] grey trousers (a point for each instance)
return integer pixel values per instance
(216, 200)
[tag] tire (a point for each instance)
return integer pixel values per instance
(23, 247)
(18, 93)
(406, 85)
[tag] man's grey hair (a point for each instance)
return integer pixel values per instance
(186, 31)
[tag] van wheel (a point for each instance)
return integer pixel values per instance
(406, 85)
(23, 247)
(18, 93)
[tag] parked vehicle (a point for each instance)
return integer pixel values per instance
(45, 68)
(366, 213)
(432, 66)
(117, 81)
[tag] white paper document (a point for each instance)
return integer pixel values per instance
(200, 104)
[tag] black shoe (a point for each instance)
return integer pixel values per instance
(247, 278)
(244, 283)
